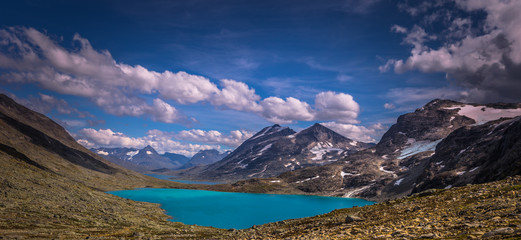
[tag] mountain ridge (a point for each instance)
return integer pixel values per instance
(275, 150)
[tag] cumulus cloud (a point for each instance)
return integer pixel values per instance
(486, 61)
(160, 141)
(336, 106)
(30, 56)
(282, 111)
(237, 96)
(358, 133)
(234, 139)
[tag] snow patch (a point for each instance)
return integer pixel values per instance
(322, 148)
(101, 152)
(448, 187)
(461, 173)
(398, 182)
(357, 191)
(482, 114)
(343, 174)
(149, 152)
(385, 171)
(287, 165)
(275, 181)
(418, 147)
(264, 149)
(474, 169)
(132, 154)
(353, 143)
(307, 179)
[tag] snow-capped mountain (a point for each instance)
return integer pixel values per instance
(442, 144)
(205, 157)
(141, 160)
(277, 149)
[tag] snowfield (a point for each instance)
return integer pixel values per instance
(482, 114)
(418, 147)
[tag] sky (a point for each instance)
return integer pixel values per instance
(189, 75)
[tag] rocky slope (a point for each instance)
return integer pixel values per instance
(141, 160)
(277, 149)
(482, 211)
(205, 157)
(52, 187)
(442, 144)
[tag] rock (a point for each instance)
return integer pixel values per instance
(428, 235)
(499, 231)
(353, 218)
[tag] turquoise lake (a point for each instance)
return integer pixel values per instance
(236, 210)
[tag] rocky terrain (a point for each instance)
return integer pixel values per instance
(441, 145)
(482, 211)
(277, 149)
(142, 160)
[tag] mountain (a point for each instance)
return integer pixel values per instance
(142, 160)
(205, 157)
(177, 159)
(277, 149)
(441, 145)
(51, 187)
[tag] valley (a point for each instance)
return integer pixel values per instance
(52, 187)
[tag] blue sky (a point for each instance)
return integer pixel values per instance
(189, 75)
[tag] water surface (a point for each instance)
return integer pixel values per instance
(236, 210)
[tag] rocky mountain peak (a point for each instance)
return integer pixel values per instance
(319, 133)
(149, 150)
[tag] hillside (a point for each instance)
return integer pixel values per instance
(52, 187)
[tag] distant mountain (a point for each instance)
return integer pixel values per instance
(205, 157)
(277, 149)
(142, 160)
(440, 145)
(174, 157)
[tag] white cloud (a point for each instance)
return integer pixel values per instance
(32, 57)
(336, 106)
(160, 141)
(282, 111)
(485, 60)
(164, 112)
(237, 96)
(234, 139)
(356, 132)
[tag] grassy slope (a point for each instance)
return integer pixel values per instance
(50, 186)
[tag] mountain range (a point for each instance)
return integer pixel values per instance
(149, 160)
(444, 144)
(275, 150)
